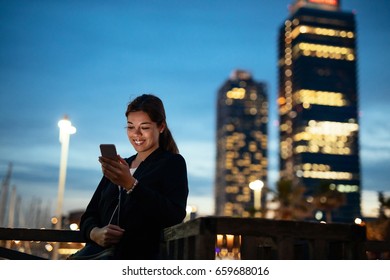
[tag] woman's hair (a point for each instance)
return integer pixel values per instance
(153, 106)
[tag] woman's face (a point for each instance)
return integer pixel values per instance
(142, 132)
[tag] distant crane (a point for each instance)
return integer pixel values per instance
(4, 195)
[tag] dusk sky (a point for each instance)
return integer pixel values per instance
(88, 59)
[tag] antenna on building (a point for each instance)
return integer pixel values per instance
(4, 195)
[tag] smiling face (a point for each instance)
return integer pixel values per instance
(143, 133)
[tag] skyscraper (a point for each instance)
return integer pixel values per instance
(318, 102)
(242, 116)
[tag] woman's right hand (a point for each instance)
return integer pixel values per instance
(117, 171)
(107, 236)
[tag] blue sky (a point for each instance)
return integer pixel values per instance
(88, 59)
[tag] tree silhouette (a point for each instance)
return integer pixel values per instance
(293, 204)
(384, 203)
(328, 199)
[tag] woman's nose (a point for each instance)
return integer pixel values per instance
(137, 131)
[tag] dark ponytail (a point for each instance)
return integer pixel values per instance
(153, 106)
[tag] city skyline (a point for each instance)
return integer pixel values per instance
(88, 59)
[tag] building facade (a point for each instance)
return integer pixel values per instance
(242, 116)
(318, 102)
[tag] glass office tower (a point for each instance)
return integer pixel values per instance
(318, 102)
(242, 116)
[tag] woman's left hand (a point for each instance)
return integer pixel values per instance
(117, 171)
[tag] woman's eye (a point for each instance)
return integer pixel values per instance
(130, 127)
(145, 128)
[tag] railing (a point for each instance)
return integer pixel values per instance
(235, 238)
(38, 235)
(255, 238)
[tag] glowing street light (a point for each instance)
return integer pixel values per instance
(257, 186)
(66, 129)
(191, 211)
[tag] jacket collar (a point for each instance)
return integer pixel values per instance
(156, 153)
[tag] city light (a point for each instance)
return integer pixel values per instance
(257, 186)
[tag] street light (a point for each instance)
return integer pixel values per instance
(66, 129)
(256, 186)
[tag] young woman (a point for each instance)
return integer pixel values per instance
(139, 196)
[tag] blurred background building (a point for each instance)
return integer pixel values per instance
(241, 139)
(318, 104)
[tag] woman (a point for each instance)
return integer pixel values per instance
(139, 196)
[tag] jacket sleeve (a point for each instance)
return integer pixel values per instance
(90, 217)
(167, 207)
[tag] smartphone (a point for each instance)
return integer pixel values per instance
(108, 150)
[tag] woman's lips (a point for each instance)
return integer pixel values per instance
(138, 142)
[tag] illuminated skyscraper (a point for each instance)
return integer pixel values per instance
(242, 116)
(318, 102)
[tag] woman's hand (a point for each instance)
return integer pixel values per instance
(107, 236)
(117, 171)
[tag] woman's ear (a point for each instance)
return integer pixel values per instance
(162, 127)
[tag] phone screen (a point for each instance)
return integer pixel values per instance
(108, 150)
